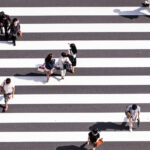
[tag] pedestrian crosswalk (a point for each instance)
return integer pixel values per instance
(113, 68)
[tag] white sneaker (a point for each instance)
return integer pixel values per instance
(130, 129)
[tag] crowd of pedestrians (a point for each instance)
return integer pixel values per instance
(66, 62)
(10, 26)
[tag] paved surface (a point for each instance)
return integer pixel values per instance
(61, 107)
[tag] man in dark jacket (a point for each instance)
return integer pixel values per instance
(4, 22)
(14, 30)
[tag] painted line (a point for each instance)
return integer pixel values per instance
(82, 45)
(67, 117)
(75, 11)
(91, 27)
(81, 62)
(79, 99)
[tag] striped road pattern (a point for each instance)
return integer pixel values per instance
(113, 68)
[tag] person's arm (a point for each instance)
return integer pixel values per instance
(88, 140)
(9, 27)
(3, 84)
(139, 116)
(13, 92)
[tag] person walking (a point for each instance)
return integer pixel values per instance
(49, 65)
(73, 52)
(4, 22)
(8, 89)
(93, 138)
(14, 30)
(63, 63)
(133, 114)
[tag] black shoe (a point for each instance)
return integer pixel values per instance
(14, 43)
(144, 5)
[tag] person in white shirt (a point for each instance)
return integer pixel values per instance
(133, 114)
(62, 63)
(8, 90)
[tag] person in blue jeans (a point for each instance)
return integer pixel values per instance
(49, 65)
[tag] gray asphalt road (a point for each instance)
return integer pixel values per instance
(69, 108)
(68, 3)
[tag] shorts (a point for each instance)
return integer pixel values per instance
(6, 97)
(47, 69)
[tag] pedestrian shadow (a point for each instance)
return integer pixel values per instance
(5, 42)
(40, 79)
(36, 74)
(3, 38)
(132, 14)
(73, 147)
(104, 126)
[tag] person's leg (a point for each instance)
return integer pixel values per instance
(1, 29)
(94, 148)
(6, 96)
(47, 74)
(72, 69)
(62, 73)
(130, 124)
(14, 40)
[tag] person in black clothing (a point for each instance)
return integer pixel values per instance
(14, 30)
(49, 65)
(93, 137)
(73, 53)
(4, 22)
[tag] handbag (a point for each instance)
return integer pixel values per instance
(99, 142)
(41, 68)
(19, 33)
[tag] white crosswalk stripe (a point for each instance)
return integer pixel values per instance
(83, 45)
(79, 99)
(98, 27)
(75, 11)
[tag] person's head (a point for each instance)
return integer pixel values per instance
(4, 17)
(15, 21)
(134, 106)
(63, 54)
(8, 81)
(49, 57)
(67, 52)
(73, 48)
(95, 131)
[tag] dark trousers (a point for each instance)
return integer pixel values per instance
(14, 39)
(5, 27)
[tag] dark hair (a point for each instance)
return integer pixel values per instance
(63, 54)
(134, 106)
(49, 57)
(14, 20)
(73, 48)
(8, 80)
(95, 131)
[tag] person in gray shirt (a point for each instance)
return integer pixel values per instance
(133, 114)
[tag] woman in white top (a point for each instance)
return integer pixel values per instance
(62, 63)
(8, 90)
